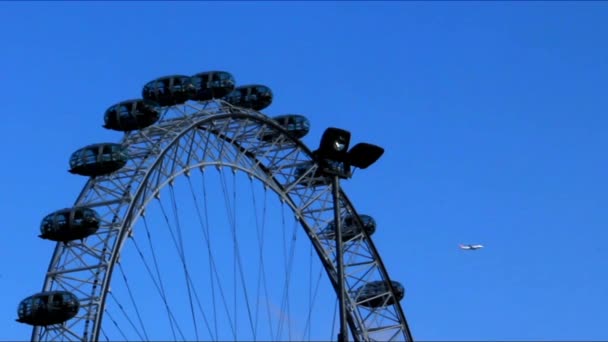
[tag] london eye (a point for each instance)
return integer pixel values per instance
(209, 220)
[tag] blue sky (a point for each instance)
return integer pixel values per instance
(493, 116)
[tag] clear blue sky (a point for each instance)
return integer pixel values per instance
(493, 116)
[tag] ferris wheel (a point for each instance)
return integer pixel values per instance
(210, 220)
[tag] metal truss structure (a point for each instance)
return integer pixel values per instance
(191, 138)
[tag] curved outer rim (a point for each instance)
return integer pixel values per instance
(129, 219)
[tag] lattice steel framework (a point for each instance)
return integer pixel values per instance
(189, 138)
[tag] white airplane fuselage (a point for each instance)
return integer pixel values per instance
(471, 247)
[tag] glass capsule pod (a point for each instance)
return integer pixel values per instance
(212, 85)
(169, 90)
(375, 294)
(131, 115)
(350, 229)
(69, 224)
(297, 125)
(48, 308)
(98, 159)
(256, 97)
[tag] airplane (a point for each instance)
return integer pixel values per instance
(470, 247)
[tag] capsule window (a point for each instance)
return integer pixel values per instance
(178, 84)
(38, 302)
(62, 220)
(260, 90)
(163, 86)
(251, 95)
(156, 87)
(123, 112)
(47, 223)
(106, 153)
(216, 82)
(89, 214)
(172, 85)
(78, 217)
(198, 81)
(89, 156)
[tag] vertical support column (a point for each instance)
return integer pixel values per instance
(343, 334)
(36, 334)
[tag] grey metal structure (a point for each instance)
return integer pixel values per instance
(189, 138)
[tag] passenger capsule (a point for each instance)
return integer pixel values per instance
(375, 294)
(69, 224)
(350, 228)
(256, 97)
(169, 90)
(131, 115)
(98, 159)
(48, 308)
(297, 125)
(212, 85)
